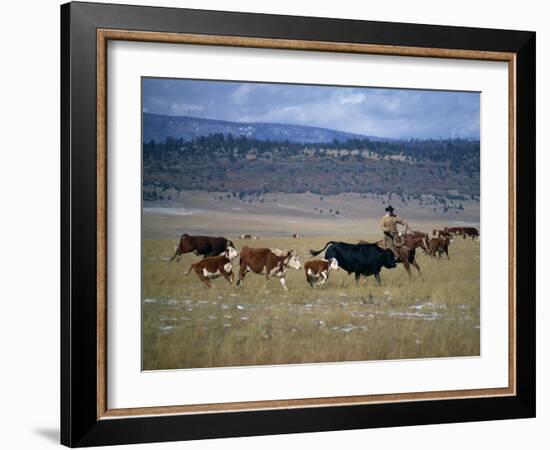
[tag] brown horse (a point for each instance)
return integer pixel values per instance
(406, 246)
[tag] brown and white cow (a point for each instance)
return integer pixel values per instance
(267, 262)
(441, 233)
(215, 266)
(201, 245)
(463, 231)
(317, 270)
(439, 245)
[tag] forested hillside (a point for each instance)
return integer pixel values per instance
(244, 166)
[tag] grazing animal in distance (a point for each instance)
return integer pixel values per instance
(201, 245)
(463, 231)
(454, 231)
(269, 262)
(442, 233)
(361, 259)
(317, 270)
(215, 266)
(470, 231)
(296, 236)
(245, 236)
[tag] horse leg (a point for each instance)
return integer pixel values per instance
(415, 264)
(407, 267)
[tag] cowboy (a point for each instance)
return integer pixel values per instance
(389, 227)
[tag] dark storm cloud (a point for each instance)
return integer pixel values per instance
(394, 113)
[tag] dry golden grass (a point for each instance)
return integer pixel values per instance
(186, 325)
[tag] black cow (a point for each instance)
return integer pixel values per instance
(201, 245)
(360, 259)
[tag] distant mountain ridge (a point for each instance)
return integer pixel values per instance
(158, 127)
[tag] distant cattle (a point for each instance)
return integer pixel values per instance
(463, 231)
(442, 233)
(245, 236)
(317, 270)
(453, 230)
(269, 262)
(470, 231)
(360, 259)
(296, 236)
(201, 245)
(215, 266)
(440, 245)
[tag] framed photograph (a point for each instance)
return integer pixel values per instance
(276, 224)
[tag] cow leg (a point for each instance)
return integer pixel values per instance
(242, 273)
(177, 255)
(447, 253)
(283, 283)
(357, 276)
(227, 275)
(378, 280)
(204, 279)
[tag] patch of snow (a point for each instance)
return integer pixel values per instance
(416, 315)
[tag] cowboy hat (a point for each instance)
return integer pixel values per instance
(389, 209)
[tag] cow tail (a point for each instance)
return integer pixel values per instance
(189, 271)
(315, 253)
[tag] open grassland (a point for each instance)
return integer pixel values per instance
(282, 215)
(186, 325)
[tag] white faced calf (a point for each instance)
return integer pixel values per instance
(215, 266)
(317, 270)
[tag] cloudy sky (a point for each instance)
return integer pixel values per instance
(393, 113)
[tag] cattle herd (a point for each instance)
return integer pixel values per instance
(363, 258)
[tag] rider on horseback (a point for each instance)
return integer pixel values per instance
(389, 227)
